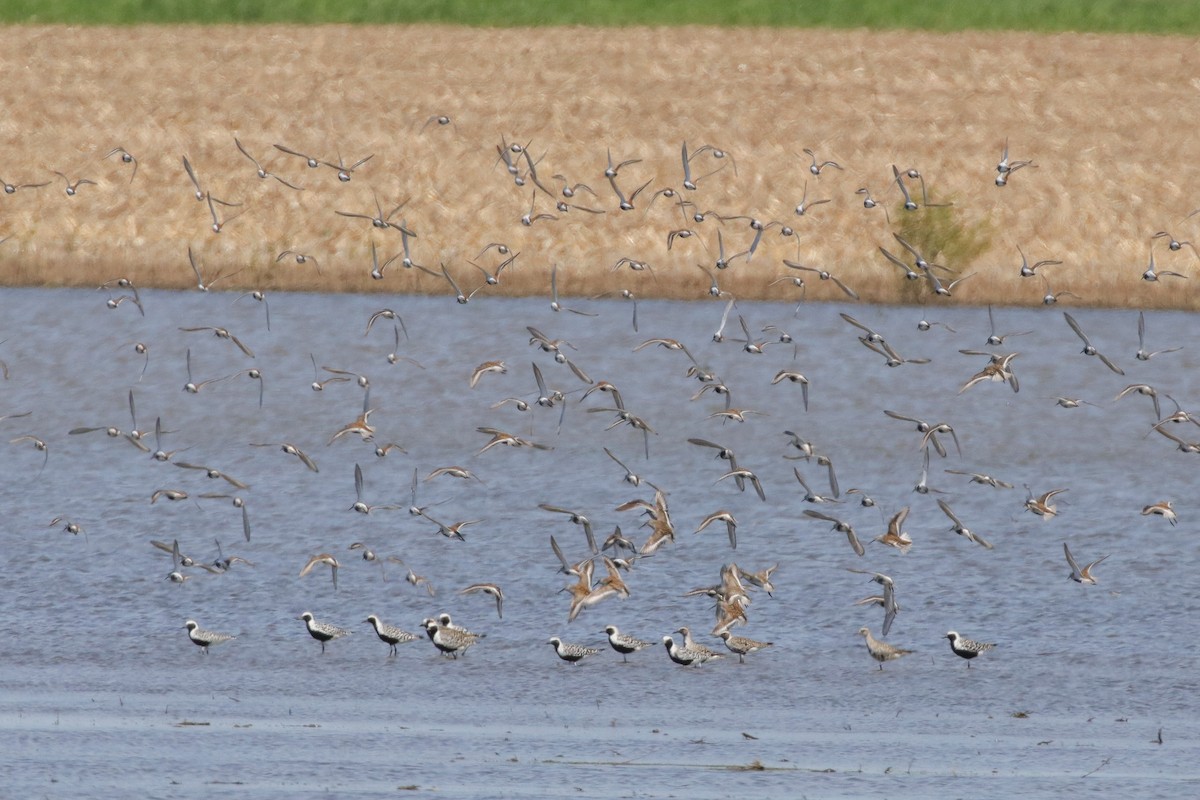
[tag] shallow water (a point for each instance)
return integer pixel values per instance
(101, 693)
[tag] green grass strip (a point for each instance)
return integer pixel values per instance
(1100, 16)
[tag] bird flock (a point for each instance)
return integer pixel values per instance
(550, 386)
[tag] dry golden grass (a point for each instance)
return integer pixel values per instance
(1105, 118)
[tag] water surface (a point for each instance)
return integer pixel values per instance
(102, 694)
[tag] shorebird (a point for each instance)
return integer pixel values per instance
(742, 645)
(809, 495)
(222, 333)
(390, 634)
(824, 275)
(571, 653)
(678, 654)
(359, 505)
(688, 182)
(73, 186)
(962, 530)
(888, 599)
(500, 437)
(312, 162)
(816, 166)
(128, 158)
(730, 525)
(1026, 271)
(1041, 505)
(1142, 353)
(321, 559)
(1142, 389)
(1173, 244)
(300, 258)
(803, 207)
(451, 471)
(894, 359)
(793, 376)
(219, 224)
(895, 537)
(1152, 275)
(623, 643)
(291, 450)
(449, 640)
(496, 367)
(213, 473)
(981, 479)
(490, 589)
(258, 168)
(322, 631)
(1088, 348)
(761, 578)
(881, 651)
(12, 188)
(343, 171)
(743, 474)
(204, 638)
(1006, 168)
(930, 432)
(840, 526)
(1163, 509)
(1083, 575)
(381, 220)
(998, 368)
(578, 519)
(966, 648)
(360, 425)
(699, 652)
(170, 494)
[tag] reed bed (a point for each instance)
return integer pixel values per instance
(1104, 118)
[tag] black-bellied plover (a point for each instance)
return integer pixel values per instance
(742, 645)
(445, 621)
(699, 652)
(204, 638)
(450, 641)
(678, 654)
(623, 643)
(572, 653)
(966, 648)
(390, 634)
(322, 631)
(881, 651)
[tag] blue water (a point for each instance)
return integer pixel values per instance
(102, 695)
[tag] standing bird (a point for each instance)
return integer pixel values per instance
(967, 648)
(881, 651)
(571, 653)
(390, 634)
(742, 645)
(204, 638)
(623, 643)
(322, 631)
